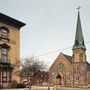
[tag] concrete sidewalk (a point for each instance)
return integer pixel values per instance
(41, 88)
(56, 88)
(51, 88)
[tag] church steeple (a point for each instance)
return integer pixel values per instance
(79, 56)
(79, 39)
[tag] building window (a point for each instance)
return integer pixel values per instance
(4, 33)
(68, 76)
(4, 76)
(4, 54)
(77, 78)
(61, 67)
(60, 60)
(81, 57)
(4, 48)
(76, 68)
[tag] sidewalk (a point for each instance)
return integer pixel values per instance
(41, 88)
(51, 88)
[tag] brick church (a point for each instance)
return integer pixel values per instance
(72, 70)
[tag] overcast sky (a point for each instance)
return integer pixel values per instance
(50, 26)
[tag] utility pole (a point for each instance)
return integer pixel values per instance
(48, 81)
(29, 86)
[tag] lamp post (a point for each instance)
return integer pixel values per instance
(54, 82)
(48, 86)
(29, 86)
(49, 80)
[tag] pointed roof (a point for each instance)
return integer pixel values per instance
(69, 58)
(79, 39)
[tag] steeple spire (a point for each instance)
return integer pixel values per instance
(79, 39)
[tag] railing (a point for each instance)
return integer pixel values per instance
(4, 61)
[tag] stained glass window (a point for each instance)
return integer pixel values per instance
(60, 66)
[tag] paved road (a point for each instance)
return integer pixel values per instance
(46, 88)
(66, 88)
(58, 88)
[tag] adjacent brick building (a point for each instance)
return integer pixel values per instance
(39, 78)
(72, 70)
(9, 48)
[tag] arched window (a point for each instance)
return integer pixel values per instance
(4, 48)
(68, 76)
(81, 57)
(61, 67)
(4, 32)
(4, 54)
(76, 77)
(76, 68)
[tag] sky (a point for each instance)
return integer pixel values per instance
(50, 26)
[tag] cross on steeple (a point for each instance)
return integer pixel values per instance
(78, 8)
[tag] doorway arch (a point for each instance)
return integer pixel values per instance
(59, 79)
(58, 76)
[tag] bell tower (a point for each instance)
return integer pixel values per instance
(79, 56)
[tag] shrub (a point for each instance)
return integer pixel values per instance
(13, 84)
(20, 85)
(1, 86)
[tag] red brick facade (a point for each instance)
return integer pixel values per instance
(37, 79)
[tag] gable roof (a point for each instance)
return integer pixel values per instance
(69, 58)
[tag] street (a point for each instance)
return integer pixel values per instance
(57, 88)
(51, 88)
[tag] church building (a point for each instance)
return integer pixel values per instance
(9, 49)
(72, 70)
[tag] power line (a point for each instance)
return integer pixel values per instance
(57, 50)
(52, 52)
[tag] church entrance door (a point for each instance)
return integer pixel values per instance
(59, 80)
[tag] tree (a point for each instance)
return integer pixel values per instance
(31, 66)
